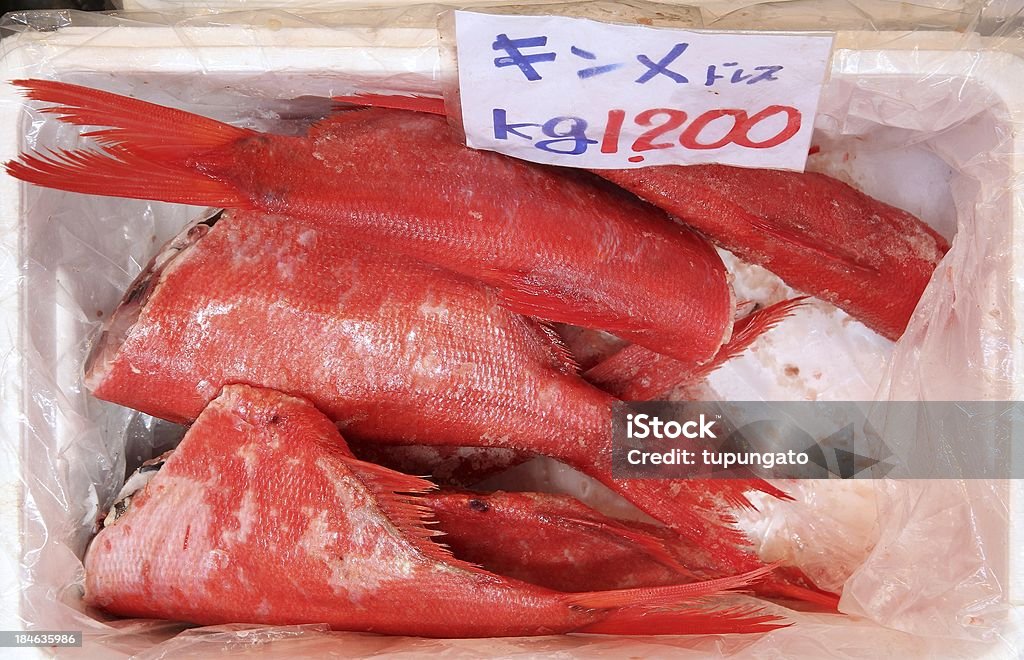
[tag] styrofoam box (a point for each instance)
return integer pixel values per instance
(204, 61)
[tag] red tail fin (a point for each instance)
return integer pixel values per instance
(413, 103)
(636, 373)
(674, 594)
(397, 495)
(147, 146)
(149, 128)
(686, 622)
(119, 173)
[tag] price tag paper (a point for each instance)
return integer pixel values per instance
(575, 92)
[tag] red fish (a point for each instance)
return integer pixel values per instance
(395, 351)
(262, 516)
(557, 244)
(820, 235)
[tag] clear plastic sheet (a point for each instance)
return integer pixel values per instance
(923, 119)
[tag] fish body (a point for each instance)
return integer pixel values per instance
(820, 235)
(557, 244)
(262, 516)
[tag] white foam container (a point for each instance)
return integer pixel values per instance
(309, 55)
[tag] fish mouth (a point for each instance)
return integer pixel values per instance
(132, 485)
(115, 330)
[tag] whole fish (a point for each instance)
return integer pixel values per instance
(820, 235)
(394, 350)
(557, 244)
(262, 516)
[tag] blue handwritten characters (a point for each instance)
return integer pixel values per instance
(661, 66)
(739, 76)
(568, 134)
(591, 71)
(516, 57)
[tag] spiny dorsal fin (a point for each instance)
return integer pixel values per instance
(398, 496)
(412, 102)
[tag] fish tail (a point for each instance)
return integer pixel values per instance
(116, 172)
(664, 610)
(696, 621)
(638, 374)
(670, 595)
(413, 102)
(146, 148)
(138, 126)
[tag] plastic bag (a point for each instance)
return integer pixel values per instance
(927, 121)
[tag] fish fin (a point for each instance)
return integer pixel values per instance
(412, 102)
(638, 374)
(628, 373)
(746, 331)
(792, 583)
(652, 545)
(122, 173)
(831, 253)
(673, 594)
(398, 496)
(563, 358)
(737, 496)
(518, 294)
(702, 621)
(147, 127)
(699, 510)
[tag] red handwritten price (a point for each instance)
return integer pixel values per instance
(694, 135)
(668, 128)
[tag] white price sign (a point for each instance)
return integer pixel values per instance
(575, 92)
